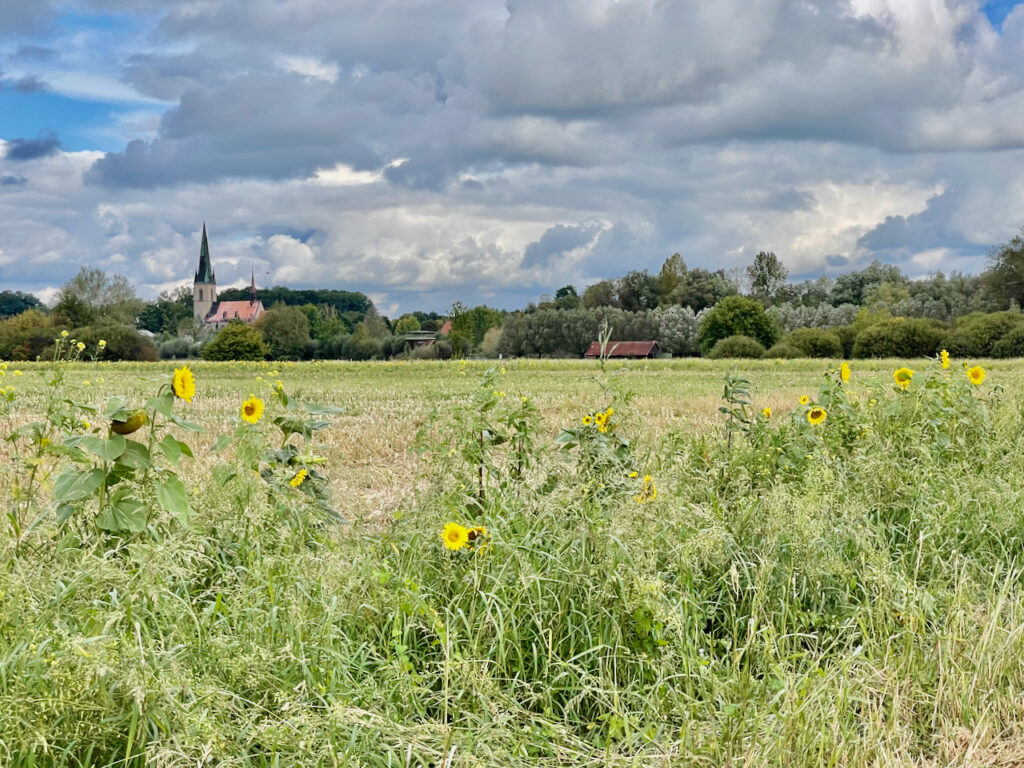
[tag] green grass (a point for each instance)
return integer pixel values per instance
(845, 595)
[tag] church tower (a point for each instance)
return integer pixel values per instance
(204, 288)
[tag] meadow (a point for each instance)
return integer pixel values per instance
(637, 571)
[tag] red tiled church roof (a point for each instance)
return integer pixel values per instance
(225, 311)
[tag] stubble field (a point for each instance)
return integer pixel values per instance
(641, 587)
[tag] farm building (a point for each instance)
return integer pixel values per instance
(633, 349)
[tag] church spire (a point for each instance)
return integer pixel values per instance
(205, 272)
(252, 286)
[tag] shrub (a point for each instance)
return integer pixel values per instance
(847, 336)
(174, 349)
(1011, 344)
(286, 331)
(25, 336)
(736, 346)
(236, 341)
(783, 350)
(899, 337)
(122, 342)
(975, 335)
(736, 316)
(816, 342)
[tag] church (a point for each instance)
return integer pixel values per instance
(205, 307)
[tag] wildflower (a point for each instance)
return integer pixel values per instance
(816, 415)
(649, 491)
(944, 356)
(634, 473)
(766, 412)
(976, 375)
(184, 384)
(17, 373)
(299, 478)
(86, 383)
(252, 410)
(804, 399)
(103, 343)
(587, 420)
(278, 385)
(86, 424)
(903, 376)
(455, 536)
(844, 372)
(80, 346)
(478, 532)
(63, 334)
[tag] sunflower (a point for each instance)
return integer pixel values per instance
(478, 532)
(816, 415)
(976, 375)
(804, 399)
(252, 410)
(766, 412)
(944, 357)
(844, 372)
(587, 421)
(902, 376)
(299, 478)
(455, 536)
(184, 384)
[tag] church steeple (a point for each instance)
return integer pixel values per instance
(205, 272)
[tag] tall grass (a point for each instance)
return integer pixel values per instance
(842, 595)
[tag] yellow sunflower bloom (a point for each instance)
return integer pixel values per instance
(184, 384)
(844, 372)
(766, 412)
(587, 421)
(976, 375)
(455, 536)
(902, 376)
(252, 410)
(804, 399)
(299, 478)
(816, 415)
(944, 357)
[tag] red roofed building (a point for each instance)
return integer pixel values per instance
(205, 307)
(634, 349)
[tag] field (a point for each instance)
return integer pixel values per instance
(662, 584)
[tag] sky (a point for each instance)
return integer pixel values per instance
(489, 151)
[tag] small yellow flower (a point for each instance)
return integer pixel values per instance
(86, 424)
(944, 357)
(80, 347)
(976, 375)
(278, 385)
(766, 412)
(649, 491)
(103, 343)
(455, 536)
(63, 334)
(184, 384)
(902, 376)
(252, 410)
(634, 473)
(804, 399)
(259, 379)
(816, 415)
(587, 421)
(844, 372)
(17, 373)
(86, 383)
(299, 478)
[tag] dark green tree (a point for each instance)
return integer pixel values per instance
(15, 302)
(737, 315)
(767, 276)
(1005, 273)
(236, 341)
(286, 331)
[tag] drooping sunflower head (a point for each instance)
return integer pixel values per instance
(902, 377)
(252, 410)
(844, 372)
(944, 357)
(766, 412)
(299, 478)
(804, 399)
(976, 375)
(454, 536)
(816, 415)
(184, 384)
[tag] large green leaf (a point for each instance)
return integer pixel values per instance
(108, 449)
(162, 404)
(172, 496)
(123, 513)
(77, 484)
(135, 456)
(173, 449)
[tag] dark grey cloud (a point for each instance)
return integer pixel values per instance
(9, 180)
(29, 52)
(556, 242)
(44, 145)
(29, 84)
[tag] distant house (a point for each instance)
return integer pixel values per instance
(205, 307)
(630, 349)
(420, 338)
(446, 328)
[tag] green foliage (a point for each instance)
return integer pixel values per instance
(568, 333)
(15, 302)
(93, 295)
(236, 341)
(1005, 274)
(737, 315)
(470, 325)
(286, 332)
(976, 335)
(122, 342)
(767, 276)
(737, 346)
(343, 302)
(1010, 344)
(783, 351)
(407, 324)
(171, 313)
(816, 342)
(26, 336)
(848, 337)
(900, 337)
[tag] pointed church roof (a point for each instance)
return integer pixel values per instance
(205, 272)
